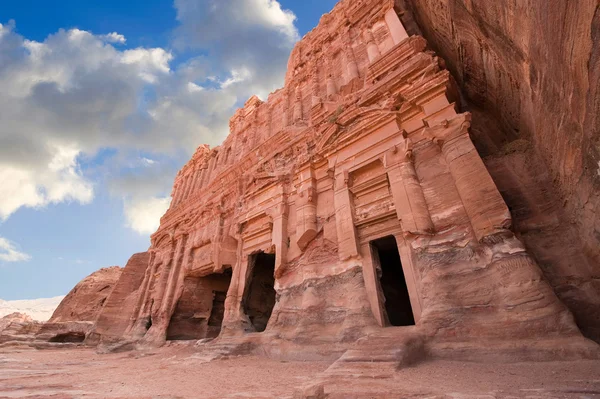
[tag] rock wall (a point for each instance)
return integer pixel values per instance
(85, 301)
(529, 71)
(364, 146)
(19, 327)
(120, 304)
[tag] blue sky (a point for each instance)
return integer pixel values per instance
(103, 101)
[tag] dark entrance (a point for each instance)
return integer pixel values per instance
(259, 298)
(216, 314)
(392, 281)
(68, 337)
(201, 307)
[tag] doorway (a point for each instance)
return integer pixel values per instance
(392, 281)
(201, 307)
(260, 296)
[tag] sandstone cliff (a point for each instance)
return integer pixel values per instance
(86, 299)
(529, 71)
(349, 207)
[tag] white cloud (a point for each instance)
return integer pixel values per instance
(249, 40)
(66, 98)
(58, 180)
(114, 37)
(149, 62)
(143, 215)
(237, 76)
(9, 252)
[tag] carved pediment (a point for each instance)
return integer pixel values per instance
(356, 122)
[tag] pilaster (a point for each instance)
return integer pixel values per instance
(344, 217)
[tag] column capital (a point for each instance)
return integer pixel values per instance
(399, 154)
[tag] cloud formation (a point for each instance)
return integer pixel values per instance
(9, 252)
(76, 94)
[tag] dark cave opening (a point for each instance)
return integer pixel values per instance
(68, 337)
(200, 309)
(392, 282)
(260, 296)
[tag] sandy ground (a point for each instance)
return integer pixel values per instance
(181, 373)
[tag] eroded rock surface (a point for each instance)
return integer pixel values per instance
(119, 306)
(18, 327)
(351, 201)
(87, 298)
(529, 72)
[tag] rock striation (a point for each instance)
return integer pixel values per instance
(86, 299)
(350, 209)
(18, 327)
(71, 321)
(529, 72)
(76, 315)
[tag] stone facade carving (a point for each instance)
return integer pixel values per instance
(361, 145)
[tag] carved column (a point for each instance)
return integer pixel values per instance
(407, 192)
(234, 319)
(279, 235)
(211, 166)
(203, 172)
(372, 48)
(397, 31)
(482, 200)
(344, 217)
(306, 207)
(195, 173)
(297, 116)
(331, 87)
(351, 65)
(176, 193)
(316, 99)
(288, 108)
(164, 299)
(411, 276)
(199, 176)
(188, 186)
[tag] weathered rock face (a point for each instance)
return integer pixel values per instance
(18, 323)
(119, 306)
(85, 301)
(530, 74)
(352, 200)
(18, 327)
(76, 315)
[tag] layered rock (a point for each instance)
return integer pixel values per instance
(86, 299)
(119, 306)
(76, 315)
(530, 74)
(352, 200)
(18, 327)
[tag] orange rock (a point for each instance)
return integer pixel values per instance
(539, 137)
(86, 299)
(351, 200)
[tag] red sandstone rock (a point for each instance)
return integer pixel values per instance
(85, 301)
(119, 306)
(76, 315)
(18, 327)
(530, 74)
(15, 322)
(352, 200)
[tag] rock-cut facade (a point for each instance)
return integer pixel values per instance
(351, 203)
